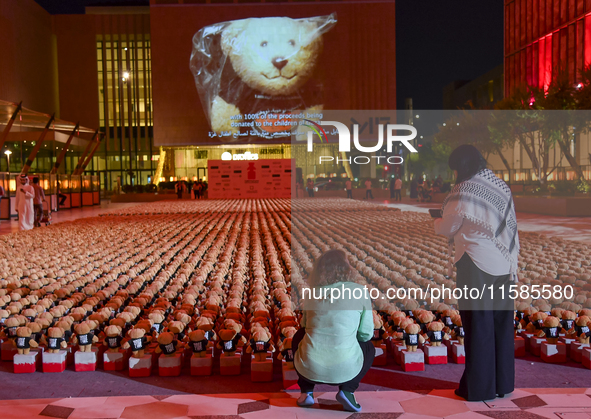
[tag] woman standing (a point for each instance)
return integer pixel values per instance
(479, 217)
(333, 346)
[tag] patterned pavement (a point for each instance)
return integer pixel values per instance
(522, 404)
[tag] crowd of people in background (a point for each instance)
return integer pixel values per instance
(420, 187)
(198, 188)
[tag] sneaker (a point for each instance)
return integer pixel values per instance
(348, 401)
(306, 400)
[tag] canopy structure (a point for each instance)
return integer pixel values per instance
(25, 133)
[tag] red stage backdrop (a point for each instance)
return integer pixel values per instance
(268, 178)
(357, 65)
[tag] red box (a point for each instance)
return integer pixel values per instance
(586, 357)
(435, 354)
(170, 366)
(526, 336)
(576, 350)
(24, 364)
(201, 365)
(140, 367)
(54, 362)
(413, 361)
(567, 342)
(381, 356)
(519, 346)
(114, 361)
(458, 353)
(262, 371)
(553, 353)
(85, 361)
(230, 365)
(398, 348)
(8, 350)
(535, 345)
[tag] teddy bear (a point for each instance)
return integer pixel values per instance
(568, 320)
(551, 329)
(581, 330)
(458, 332)
(55, 340)
(229, 341)
(24, 341)
(424, 317)
(412, 337)
(264, 64)
(260, 344)
(285, 347)
(113, 338)
(379, 333)
(167, 344)
(200, 343)
(536, 322)
(177, 328)
(137, 341)
(84, 337)
(10, 327)
(157, 318)
(435, 333)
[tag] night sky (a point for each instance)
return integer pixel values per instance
(437, 42)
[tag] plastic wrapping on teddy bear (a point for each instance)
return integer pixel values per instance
(246, 68)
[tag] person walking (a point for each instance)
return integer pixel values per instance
(24, 204)
(398, 189)
(391, 186)
(2, 193)
(197, 187)
(479, 217)
(349, 188)
(179, 189)
(38, 201)
(62, 198)
(368, 192)
(333, 345)
(310, 187)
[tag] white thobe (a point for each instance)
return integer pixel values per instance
(24, 206)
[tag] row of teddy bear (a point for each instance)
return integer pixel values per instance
(402, 251)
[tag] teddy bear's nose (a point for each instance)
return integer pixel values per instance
(279, 62)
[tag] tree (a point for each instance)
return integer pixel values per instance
(472, 127)
(515, 119)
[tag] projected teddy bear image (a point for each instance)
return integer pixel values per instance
(247, 68)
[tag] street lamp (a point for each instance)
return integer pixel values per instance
(8, 153)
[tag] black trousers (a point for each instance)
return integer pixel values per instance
(489, 340)
(368, 194)
(349, 193)
(307, 386)
(397, 195)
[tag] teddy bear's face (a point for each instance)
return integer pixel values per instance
(165, 338)
(412, 329)
(197, 335)
(568, 315)
(273, 55)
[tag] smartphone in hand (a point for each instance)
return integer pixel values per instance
(436, 213)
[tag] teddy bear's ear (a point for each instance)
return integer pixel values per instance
(231, 35)
(316, 26)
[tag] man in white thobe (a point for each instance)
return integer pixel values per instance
(24, 204)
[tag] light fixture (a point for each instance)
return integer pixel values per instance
(417, 116)
(444, 124)
(8, 152)
(458, 123)
(126, 75)
(421, 136)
